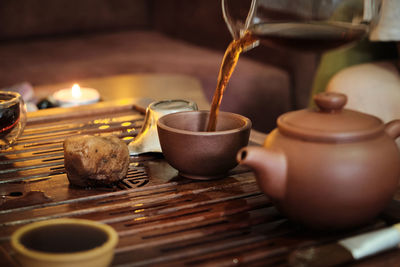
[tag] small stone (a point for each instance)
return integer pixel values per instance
(95, 161)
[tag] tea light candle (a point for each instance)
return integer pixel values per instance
(76, 96)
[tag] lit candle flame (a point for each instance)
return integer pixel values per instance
(76, 91)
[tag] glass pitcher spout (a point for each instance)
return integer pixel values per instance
(236, 27)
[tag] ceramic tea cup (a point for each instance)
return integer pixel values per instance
(64, 243)
(196, 153)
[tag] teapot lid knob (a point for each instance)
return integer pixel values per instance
(330, 101)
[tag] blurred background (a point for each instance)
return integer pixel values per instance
(52, 41)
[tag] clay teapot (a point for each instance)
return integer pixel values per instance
(329, 167)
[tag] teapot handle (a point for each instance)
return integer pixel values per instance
(392, 128)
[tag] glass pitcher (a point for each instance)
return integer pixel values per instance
(312, 25)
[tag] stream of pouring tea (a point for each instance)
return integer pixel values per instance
(309, 36)
(227, 66)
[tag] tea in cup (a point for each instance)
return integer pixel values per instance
(64, 242)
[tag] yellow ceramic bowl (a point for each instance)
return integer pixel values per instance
(65, 243)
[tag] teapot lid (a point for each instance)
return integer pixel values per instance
(329, 122)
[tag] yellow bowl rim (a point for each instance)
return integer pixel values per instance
(107, 246)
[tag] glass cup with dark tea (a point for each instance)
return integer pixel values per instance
(12, 118)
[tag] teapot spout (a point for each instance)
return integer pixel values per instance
(270, 168)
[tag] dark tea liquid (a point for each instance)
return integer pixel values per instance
(227, 67)
(64, 238)
(309, 36)
(9, 118)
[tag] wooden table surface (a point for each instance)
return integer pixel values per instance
(162, 219)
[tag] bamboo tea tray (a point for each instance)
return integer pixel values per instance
(162, 219)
